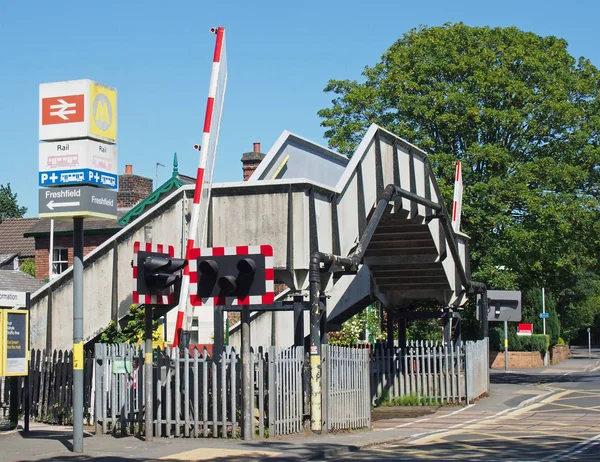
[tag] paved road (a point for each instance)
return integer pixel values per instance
(565, 425)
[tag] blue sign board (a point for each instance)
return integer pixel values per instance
(81, 176)
(543, 315)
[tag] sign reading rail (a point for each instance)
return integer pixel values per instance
(79, 201)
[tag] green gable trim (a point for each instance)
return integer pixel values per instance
(172, 184)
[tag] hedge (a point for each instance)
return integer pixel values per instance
(535, 342)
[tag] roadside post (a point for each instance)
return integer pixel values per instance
(77, 172)
(589, 343)
(544, 315)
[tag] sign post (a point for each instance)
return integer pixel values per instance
(505, 345)
(544, 321)
(78, 161)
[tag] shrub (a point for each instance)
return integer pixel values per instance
(536, 342)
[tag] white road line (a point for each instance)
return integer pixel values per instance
(574, 450)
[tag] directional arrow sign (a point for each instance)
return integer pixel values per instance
(79, 201)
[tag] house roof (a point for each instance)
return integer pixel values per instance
(175, 182)
(12, 239)
(19, 281)
(7, 257)
(64, 227)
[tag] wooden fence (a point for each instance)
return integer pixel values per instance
(429, 373)
(48, 387)
(196, 395)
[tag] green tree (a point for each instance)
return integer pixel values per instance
(522, 115)
(28, 266)
(8, 204)
(132, 331)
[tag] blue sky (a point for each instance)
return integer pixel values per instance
(280, 56)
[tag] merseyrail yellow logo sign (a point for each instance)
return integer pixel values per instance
(103, 112)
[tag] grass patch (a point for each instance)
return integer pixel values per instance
(409, 400)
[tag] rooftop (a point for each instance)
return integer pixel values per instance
(12, 239)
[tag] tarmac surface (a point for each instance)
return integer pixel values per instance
(509, 391)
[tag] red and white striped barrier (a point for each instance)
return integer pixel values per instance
(208, 148)
(457, 203)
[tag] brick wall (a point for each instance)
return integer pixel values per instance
(42, 250)
(132, 190)
(516, 359)
(559, 353)
(528, 359)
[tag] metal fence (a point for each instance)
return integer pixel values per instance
(286, 390)
(429, 373)
(196, 395)
(477, 368)
(346, 388)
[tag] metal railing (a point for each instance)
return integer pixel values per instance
(196, 395)
(346, 390)
(429, 372)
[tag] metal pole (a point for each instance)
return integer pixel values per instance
(390, 327)
(505, 345)
(77, 334)
(219, 334)
(148, 392)
(484, 314)
(51, 256)
(544, 308)
(544, 323)
(246, 376)
(589, 343)
(27, 395)
(447, 328)
(298, 321)
(315, 358)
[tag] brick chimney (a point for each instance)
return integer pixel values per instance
(250, 161)
(132, 188)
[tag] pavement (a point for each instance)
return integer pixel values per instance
(509, 391)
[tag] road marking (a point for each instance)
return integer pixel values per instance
(455, 412)
(517, 410)
(574, 450)
(214, 453)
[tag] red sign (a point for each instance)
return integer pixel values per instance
(524, 329)
(63, 109)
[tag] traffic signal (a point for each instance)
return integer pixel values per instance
(154, 273)
(240, 275)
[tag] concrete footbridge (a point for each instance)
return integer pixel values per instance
(381, 208)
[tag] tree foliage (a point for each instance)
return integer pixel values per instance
(132, 331)
(523, 116)
(28, 266)
(8, 204)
